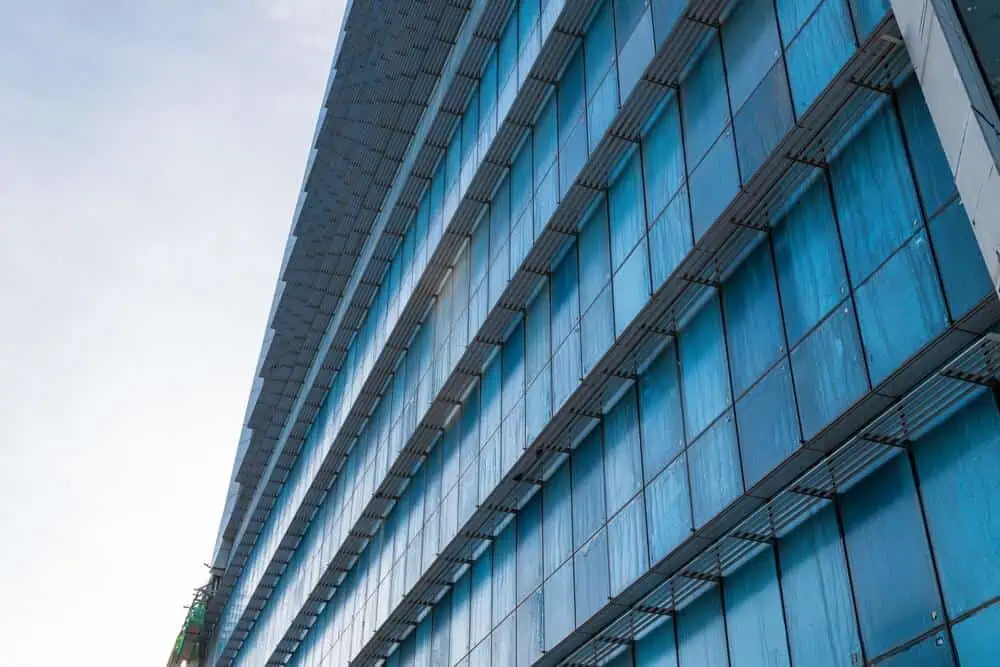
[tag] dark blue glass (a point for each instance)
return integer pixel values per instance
(818, 51)
(966, 279)
(754, 622)
(768, 424)
(668, 504)
(660, 412)
(701, 634)
(714, 464)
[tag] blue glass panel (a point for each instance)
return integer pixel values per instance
(713, 184)
(959, 467)
(768, 424)
(504, 571)
(529, 547)
(868, 14)
(811, 273)
(595, 255)
(631, 287)
(663, 159)
(754, 622)
(932, 652)
(874, 195)
(491, 411)
(629, 556)
(792, 14)
(513, 367)
(546, 199)
(571, 94)
(704, 374)
(829, 371)
(818, 608)
(753, 319)
(565, 296)
(441, 640)
(566, 369)
(966, 279)
(587, 464)
(660, 412)
(701, 633)
(930, 166)
(481, 655)
(546, 139)
(521, 180)
(666, 14)
(976, 638)
(538, 404)
(750, 40)
(490, 461)
(573, 154)
(597, 330)
(591, 577)
(602, 108)
(505, 642)
(670, 239)
(530, 630)
(500, 217)
(623, 468)
(714, 462)
(821, 48)
(460, 596)
(668, 505)
(637, 51)
(656, 648)
(536, 334)
(900, 308)
(521, 237)
(599, 47)
(481, 607)
(891, 568)
(627, 210)
(559, 616)
(704, 104)
(763, 121)
(558, 519)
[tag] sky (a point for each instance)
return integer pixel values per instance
(151, 153)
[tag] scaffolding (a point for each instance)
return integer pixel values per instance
(190, 645)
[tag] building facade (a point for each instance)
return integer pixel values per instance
(632, 332)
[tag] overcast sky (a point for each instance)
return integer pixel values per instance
(150, 157)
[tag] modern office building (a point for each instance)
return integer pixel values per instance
(631, 332)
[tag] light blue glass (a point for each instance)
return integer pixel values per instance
(574, 150)
(666, 14)
(591, 577)
(768, 424)
(959, 467)
(504, 572)
(599, 47)
(587, 465)
(530, 630)
(714, 464)
(829, 371)
(595, 255)
(868, 14)
(701, 633)
(872, 184)
(505, 642)
(536, 333)
(750, 41)
(900, 308)
(763, 121)
(513, 367)
(753, 319)
(704, 373)
(966, 279)
(660, 412)
(529, 547)
(704, 104)
(657, 647)
(818, 52)
(891, 570)
(623, 460)
(597, 330)
(627, 210)
(792, 14)
(546, 139)
(557, 508)
(631, 287)
(635, 52)
(565, 296)
(818, 609)
(566, 369)
(754, 621)
(628, 552)
(976, 638)
(602, 108)
(668, 504)
(480, 615)
(460, 598)
(810, 266)
(559, 613)
(670, 238)
(930, 165)
(663, 159)
(713, 184)
(935, 651)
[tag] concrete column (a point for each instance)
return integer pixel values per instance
(962, 110)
